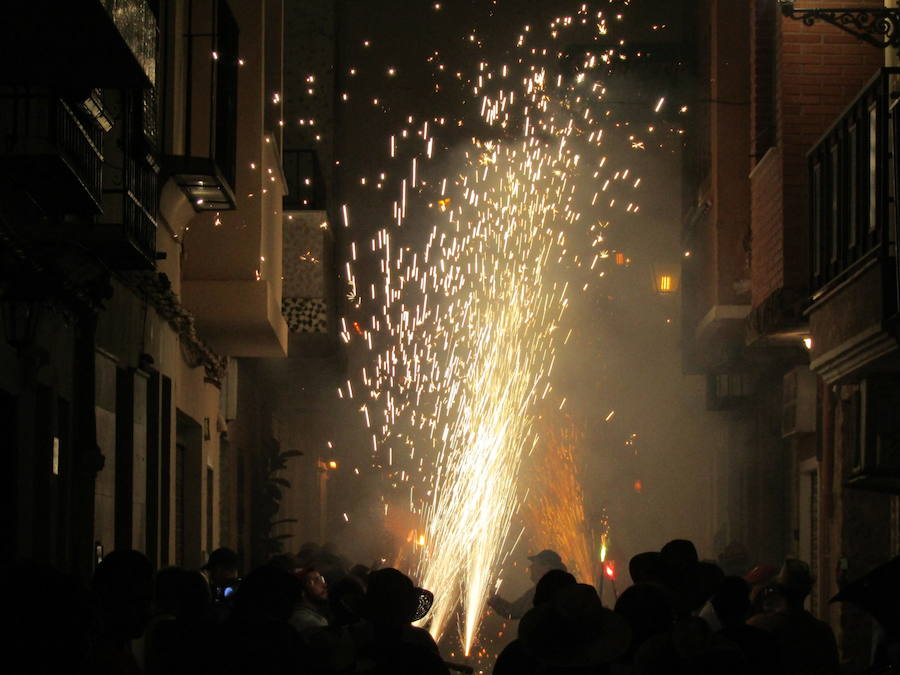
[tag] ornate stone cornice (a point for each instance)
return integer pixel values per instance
(156, 289)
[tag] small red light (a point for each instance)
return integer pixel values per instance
(610, 570)
(638, 486)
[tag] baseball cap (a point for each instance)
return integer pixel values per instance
(548, 558)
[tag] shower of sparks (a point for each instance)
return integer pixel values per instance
(554, 509)
(462, 326)
(498, 322)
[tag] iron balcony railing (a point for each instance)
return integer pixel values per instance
(140, 205)
(80, 143)
(52, 151)
(126, 232)
(852, 176)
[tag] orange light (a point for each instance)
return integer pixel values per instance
(638, 486)
(666, 283)
(357, 328)
(665, 278)
(332, 464)
(620, 258)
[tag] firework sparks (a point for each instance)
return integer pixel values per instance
(555, 508)
(465, 326)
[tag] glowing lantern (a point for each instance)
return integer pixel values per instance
(665, 278)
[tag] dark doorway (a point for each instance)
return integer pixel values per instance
(210, 490)
(189, 509)
(179, 504)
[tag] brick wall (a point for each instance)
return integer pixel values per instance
(767, 244)
(818, 70)
(763, 16)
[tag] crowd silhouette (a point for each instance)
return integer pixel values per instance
(313, 613)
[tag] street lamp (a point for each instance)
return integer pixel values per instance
(666, 277)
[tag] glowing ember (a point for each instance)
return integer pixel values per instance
(554, 510)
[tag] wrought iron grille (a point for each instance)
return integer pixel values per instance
(850, 173)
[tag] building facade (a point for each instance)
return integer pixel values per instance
(142, 265)
(790, 289)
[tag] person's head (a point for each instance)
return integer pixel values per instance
(308, 553)
(222, 567)
(181, 593)
(709, 577)
(345, 598)
(647, 610)
(644, 567)
(574, 631)
(315, 590)
(760, 579)
(267, 593)
(543, 562)
(678, 554)
(795, 581)
(123, 587)
(361, 573)
(731, 600)
(550, 584)
(392, 600)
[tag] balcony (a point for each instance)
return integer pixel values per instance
(232, 259)
(85, 44)
(125, 234)
(51, 151)
(853, 219)
(206, 172)
(849, 176)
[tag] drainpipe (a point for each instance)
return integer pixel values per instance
(825, 453)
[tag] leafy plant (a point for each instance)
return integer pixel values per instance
(268, 491)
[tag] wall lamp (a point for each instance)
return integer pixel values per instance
(876, 25)
(666, 278)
